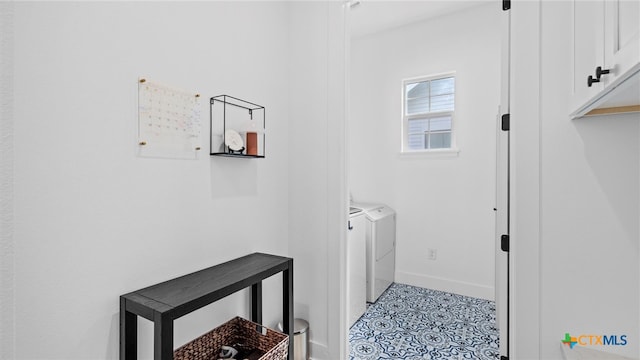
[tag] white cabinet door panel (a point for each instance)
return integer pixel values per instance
(588, 49)
(622, 37)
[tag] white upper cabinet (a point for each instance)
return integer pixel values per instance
(622, 38)
(588, 49)
(606, 49)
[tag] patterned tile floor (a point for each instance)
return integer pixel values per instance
(409, 322)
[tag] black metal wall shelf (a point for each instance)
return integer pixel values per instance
(237, 128)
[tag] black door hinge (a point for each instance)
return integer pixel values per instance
(504, 243)
(506, 122)
(506, 5)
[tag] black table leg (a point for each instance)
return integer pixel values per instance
(128, 333)
(287, 305)
(163, 338)
(256, 302)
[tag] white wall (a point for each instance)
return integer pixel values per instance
(7, 284)
(524, 232)
(92, 219)
(586, 175)
(444, 203)
(317, 197)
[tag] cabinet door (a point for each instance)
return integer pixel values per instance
(588, 44)
(622, 37)
(356, 269)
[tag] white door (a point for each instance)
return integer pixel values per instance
(502, 193)
(502, 228)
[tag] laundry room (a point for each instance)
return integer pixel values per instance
(444, 196)
(422, 143)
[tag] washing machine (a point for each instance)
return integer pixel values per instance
(380, 237)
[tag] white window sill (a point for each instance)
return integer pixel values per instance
(432, 153)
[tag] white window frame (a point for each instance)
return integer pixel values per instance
(405, 118)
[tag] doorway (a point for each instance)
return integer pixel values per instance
(449, 212)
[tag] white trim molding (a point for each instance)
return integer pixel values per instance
(448, 285)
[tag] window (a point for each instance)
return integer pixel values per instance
(427, 113)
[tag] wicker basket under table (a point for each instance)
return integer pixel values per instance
(274, 344)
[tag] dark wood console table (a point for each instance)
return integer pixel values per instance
(164, 302)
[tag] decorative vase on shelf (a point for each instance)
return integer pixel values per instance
(252, 143)
(252, 129)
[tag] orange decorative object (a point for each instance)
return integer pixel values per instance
(252, 143)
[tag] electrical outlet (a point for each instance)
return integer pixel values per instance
(432, 254)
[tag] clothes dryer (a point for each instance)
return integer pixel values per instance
(381, 248)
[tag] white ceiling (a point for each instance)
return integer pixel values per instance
(371, 16)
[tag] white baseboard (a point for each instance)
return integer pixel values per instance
(448, 285)
(318, 351)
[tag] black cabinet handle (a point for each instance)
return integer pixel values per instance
(350, 227)
(600, 72)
